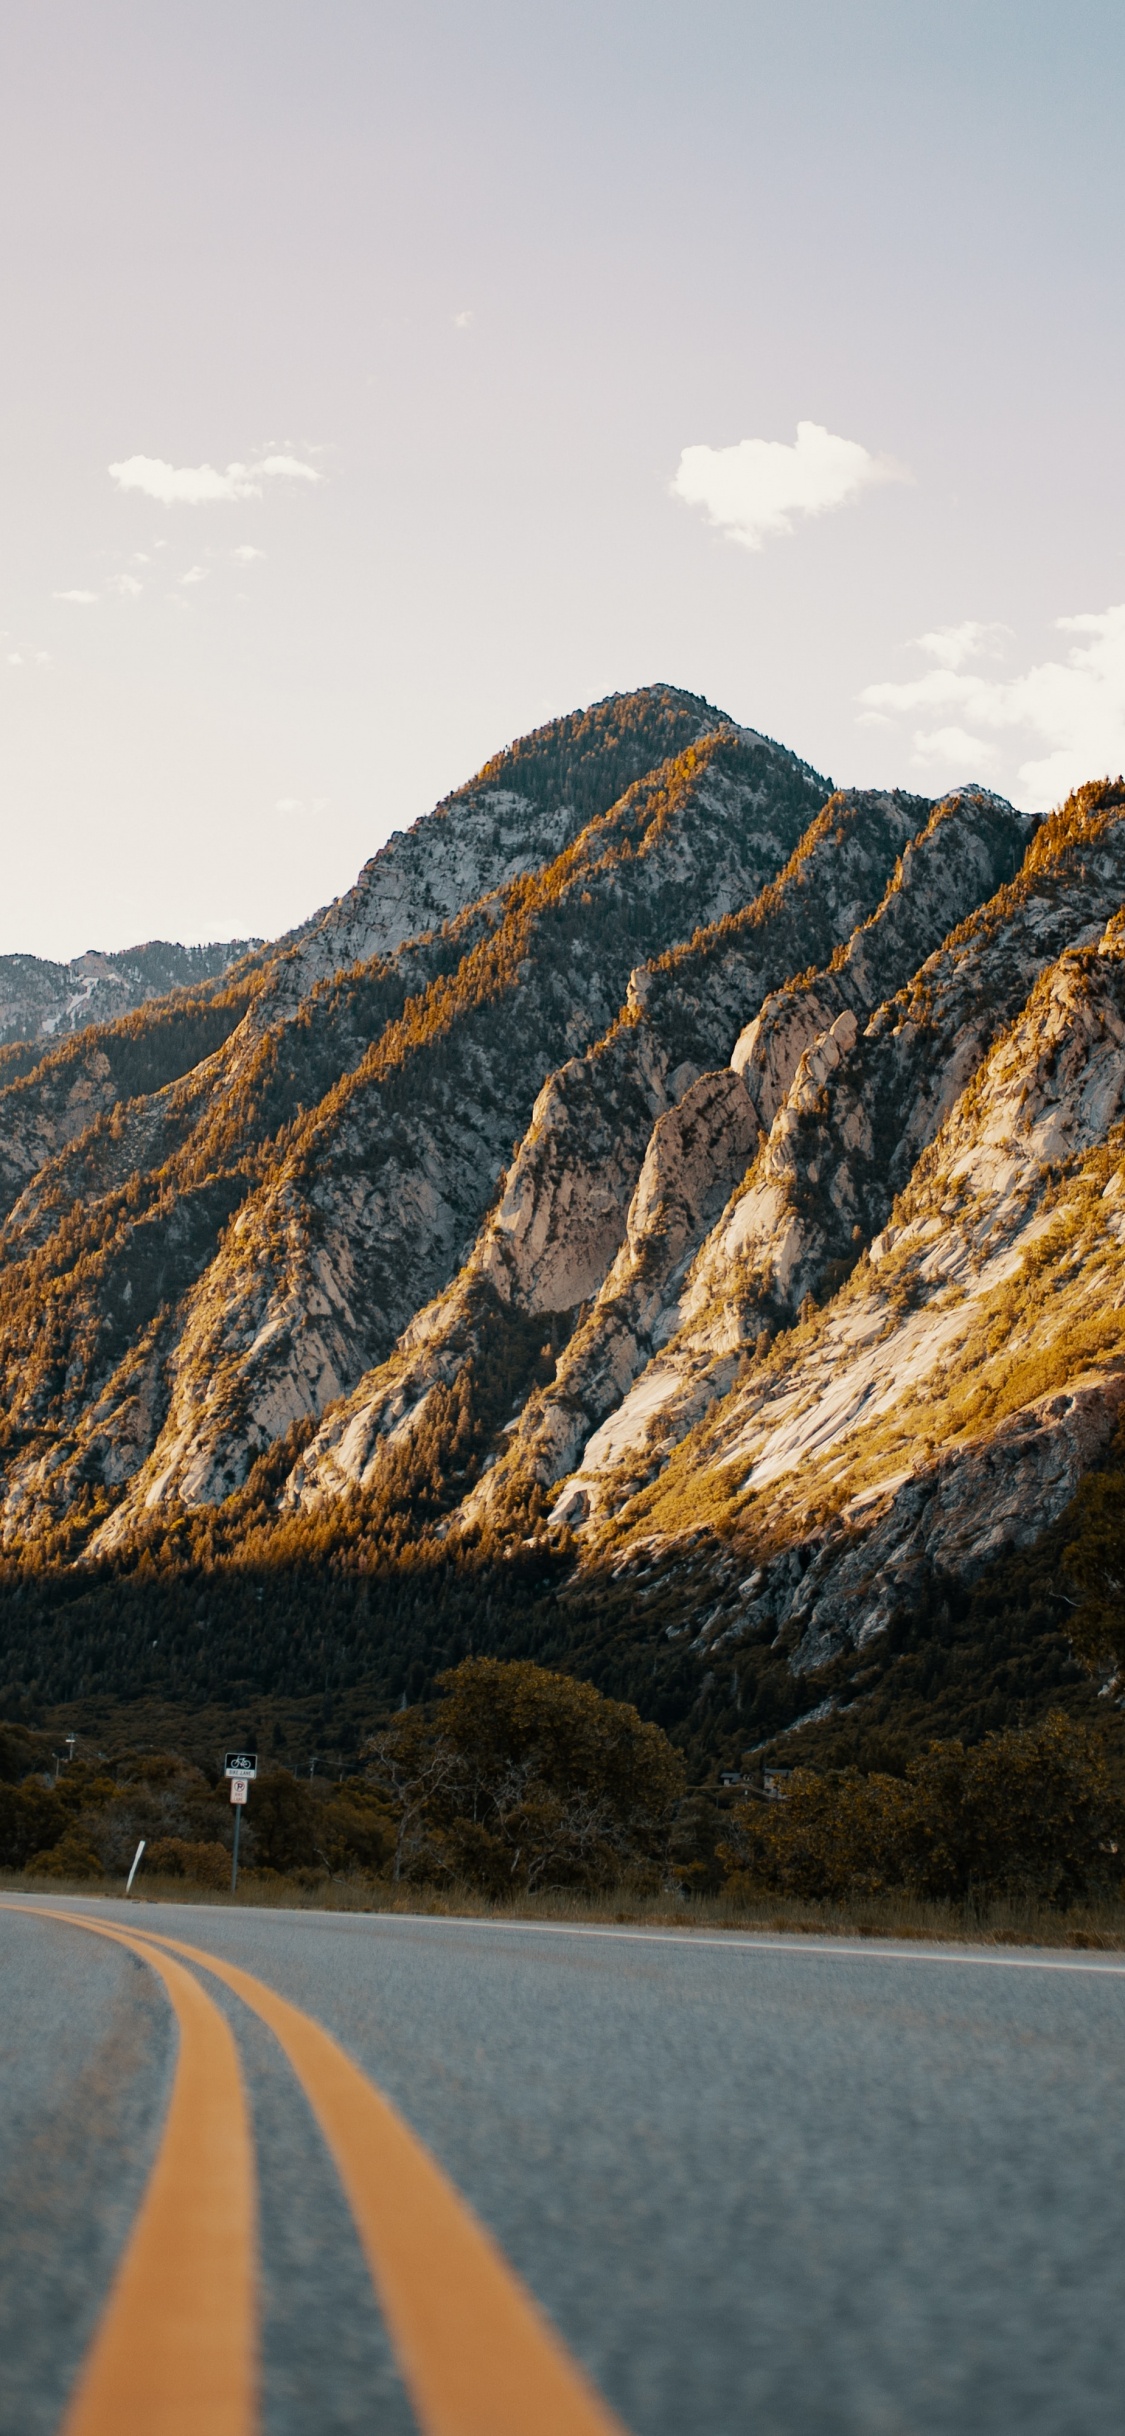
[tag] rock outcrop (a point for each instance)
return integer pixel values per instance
(659, 1158)
(945, 1403)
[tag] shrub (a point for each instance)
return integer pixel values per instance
(526, 1779)
(70, 1858)
(1032, 1813)
(172, 1856)
(282, 1819)
(1095, 1562)
(32, 1819)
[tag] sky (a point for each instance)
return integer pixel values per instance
(382, 382)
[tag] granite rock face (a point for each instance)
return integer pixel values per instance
(741, 1158)
(942, 1405)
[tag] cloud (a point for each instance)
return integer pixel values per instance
(753, 491)
(130, 587)
(1073, 706)
(84, 600)
(953, 645)
(200, 485)
(288, 469)
(952, 745)
(462, 321)
(245, 552)
(15, 659)
(195, 575)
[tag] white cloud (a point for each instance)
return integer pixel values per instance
(130, 587)
(194, 575)
(200, 485)
(289, 803)
(1073, 706)
(85, 600)
(15, 659)
(462, 321)
(952, 745)
(289, 469)
(753, 490)
(953, 645)
(245, 552)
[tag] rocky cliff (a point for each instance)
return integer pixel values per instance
(661, 1162)
(41, 1001)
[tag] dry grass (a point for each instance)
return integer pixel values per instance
(1092, 1927)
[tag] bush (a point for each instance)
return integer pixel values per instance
(356, 1830)
(32, 1819)
(171, 1856)
(282, 1819)
(1033, 1813)
(71, 1858)
(524, 1779)
(1095, 1563)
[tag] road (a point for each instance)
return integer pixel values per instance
(777, 2187)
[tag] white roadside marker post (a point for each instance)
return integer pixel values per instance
(135, 1867)
(239, 1766)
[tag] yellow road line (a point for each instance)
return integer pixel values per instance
(176, 2351)
(476, 2353)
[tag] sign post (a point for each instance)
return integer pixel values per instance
(239, 1766)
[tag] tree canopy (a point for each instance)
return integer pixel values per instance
(520, 1778)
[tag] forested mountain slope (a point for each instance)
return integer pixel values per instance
(662, 1171)
(41, 1001)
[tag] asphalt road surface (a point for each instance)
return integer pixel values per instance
(582, 2181)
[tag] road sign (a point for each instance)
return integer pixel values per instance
(240, 1763)
(239, 1786)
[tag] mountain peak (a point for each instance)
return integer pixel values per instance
(628, 1177)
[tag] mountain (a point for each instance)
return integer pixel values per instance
(43, 1001)
(666, 1218)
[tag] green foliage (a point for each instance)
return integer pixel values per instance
(355, 1829)
(72, 1857)
(282, 1823)
(139, 1053)
(527, 1779)
(1036, 1813)
(91, 1821)
(21, 1752)
(1094, 1560)
(696, 1846)
(589, 758)
(32, 1820)
(173, 1856)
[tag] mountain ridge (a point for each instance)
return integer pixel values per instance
(626, 1180)
(41, 1000)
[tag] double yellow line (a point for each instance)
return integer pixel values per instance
(176, 2351)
